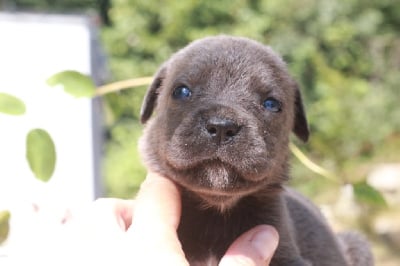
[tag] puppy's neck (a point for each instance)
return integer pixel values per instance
(204, 230)
(228, 204)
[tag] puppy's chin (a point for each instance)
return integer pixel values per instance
(222, 200)
(216, 184)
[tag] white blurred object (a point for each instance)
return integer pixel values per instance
(33, 48)
(385, 177)
(346, 206)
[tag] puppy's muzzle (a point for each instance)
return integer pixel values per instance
(221, 130)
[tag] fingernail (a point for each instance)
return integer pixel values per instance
(265, 242)
(121, 223)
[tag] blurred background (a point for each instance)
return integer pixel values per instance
(345, 54)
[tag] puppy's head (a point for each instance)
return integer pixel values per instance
(224, 108)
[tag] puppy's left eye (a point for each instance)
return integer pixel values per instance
(181, 93)
(273, 105)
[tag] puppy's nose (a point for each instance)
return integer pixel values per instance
(221, 130)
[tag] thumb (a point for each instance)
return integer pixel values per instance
(156, 218)
(253, 248)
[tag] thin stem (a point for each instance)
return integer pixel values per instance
(121, 85)
(310, 164)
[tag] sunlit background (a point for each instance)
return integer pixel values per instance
(344, 54)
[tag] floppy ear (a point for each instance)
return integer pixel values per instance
(150, 99)
(300, 127)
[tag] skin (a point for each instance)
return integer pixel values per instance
(143, 232)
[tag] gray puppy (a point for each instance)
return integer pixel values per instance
(225, 107)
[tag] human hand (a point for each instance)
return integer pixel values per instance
(143, 232)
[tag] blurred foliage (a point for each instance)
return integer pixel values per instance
(122, 168)
(60, 6)
(74, 83)
(4, 225)
(53, 5)
(11, 105)
(41, 154)
(367, 194)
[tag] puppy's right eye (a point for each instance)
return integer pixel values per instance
(181, 93)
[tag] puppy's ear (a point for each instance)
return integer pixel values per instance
(300, 127)
(150, 99)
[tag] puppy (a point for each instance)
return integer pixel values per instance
(224, 109)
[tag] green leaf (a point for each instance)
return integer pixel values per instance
(74, 83)
(4, 225)
(41, 154)
(367, 194)
(11, 105)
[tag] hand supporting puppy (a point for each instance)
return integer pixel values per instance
(156, 218)
(143, 232)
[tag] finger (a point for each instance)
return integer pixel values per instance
(157, 215)
(253, 248)
(104, 215)
(157, 203)
(99, 228)
(115, 210)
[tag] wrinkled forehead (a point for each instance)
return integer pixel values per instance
(228, 64)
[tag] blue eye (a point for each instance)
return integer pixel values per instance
(272, 105)
(181, 93)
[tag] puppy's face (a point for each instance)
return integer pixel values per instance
(225, 107)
